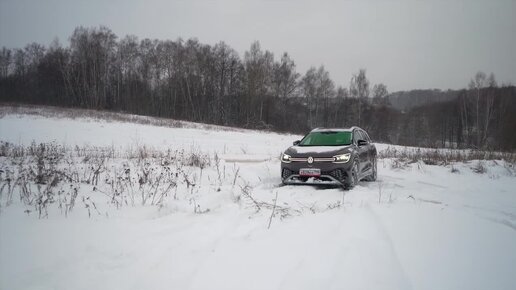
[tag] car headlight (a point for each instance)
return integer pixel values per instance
(342, 158)
(285, 158)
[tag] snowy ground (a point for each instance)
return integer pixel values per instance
(417, 227)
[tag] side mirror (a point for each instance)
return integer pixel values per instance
(296, 142)
(362, 143)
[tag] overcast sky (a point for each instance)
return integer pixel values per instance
(404, 44)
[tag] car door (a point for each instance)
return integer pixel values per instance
(362, 151)
(372, 148)
(368, 162)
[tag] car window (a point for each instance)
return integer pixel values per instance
(366, 136)
(356, 136)
(361, 135)
(326, 139)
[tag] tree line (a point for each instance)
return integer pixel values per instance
(189, 80)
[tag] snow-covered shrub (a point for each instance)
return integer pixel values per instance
(479, 167)
(197, 159)
(44, 176)
(443, 156)
(399, 163)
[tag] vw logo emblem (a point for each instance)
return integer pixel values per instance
(310, 160)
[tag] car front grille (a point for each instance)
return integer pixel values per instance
(286, 173)
(316, 159)
(337, 174)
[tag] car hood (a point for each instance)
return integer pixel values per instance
(317, 151)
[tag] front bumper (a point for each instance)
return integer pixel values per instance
(331, 173)
(322, 180)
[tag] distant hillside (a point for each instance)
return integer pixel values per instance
(405, 100)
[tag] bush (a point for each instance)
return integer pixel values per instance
(444, 156)
(49, 174)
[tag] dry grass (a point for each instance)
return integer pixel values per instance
(444, 156)
(46, 174)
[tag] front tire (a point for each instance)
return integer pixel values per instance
(374, 174)
(352, 176)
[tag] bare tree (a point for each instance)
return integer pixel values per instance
(20, 62)
(309, 91)
(325, 92)
(34, 54)
(285, 82)
(359, 89)
(489, 105)
(341, 113)
(477, 84)
(189, 80)
(5, 61)
(380, 95)
(226, 60)
(258, 66)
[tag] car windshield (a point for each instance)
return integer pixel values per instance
(327, 139)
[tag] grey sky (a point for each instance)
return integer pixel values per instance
(404, 44)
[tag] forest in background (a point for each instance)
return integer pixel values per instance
(189, 80)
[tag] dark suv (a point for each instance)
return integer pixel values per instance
(330, 156)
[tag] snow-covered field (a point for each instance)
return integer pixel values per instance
(418, 227)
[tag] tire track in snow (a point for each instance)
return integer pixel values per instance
(496, 216)
(403, 278)
(356, 253)
(304, 267)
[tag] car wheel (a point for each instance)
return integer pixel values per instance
(374, 174)
(353, 176)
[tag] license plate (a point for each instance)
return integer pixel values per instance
(310, 172)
